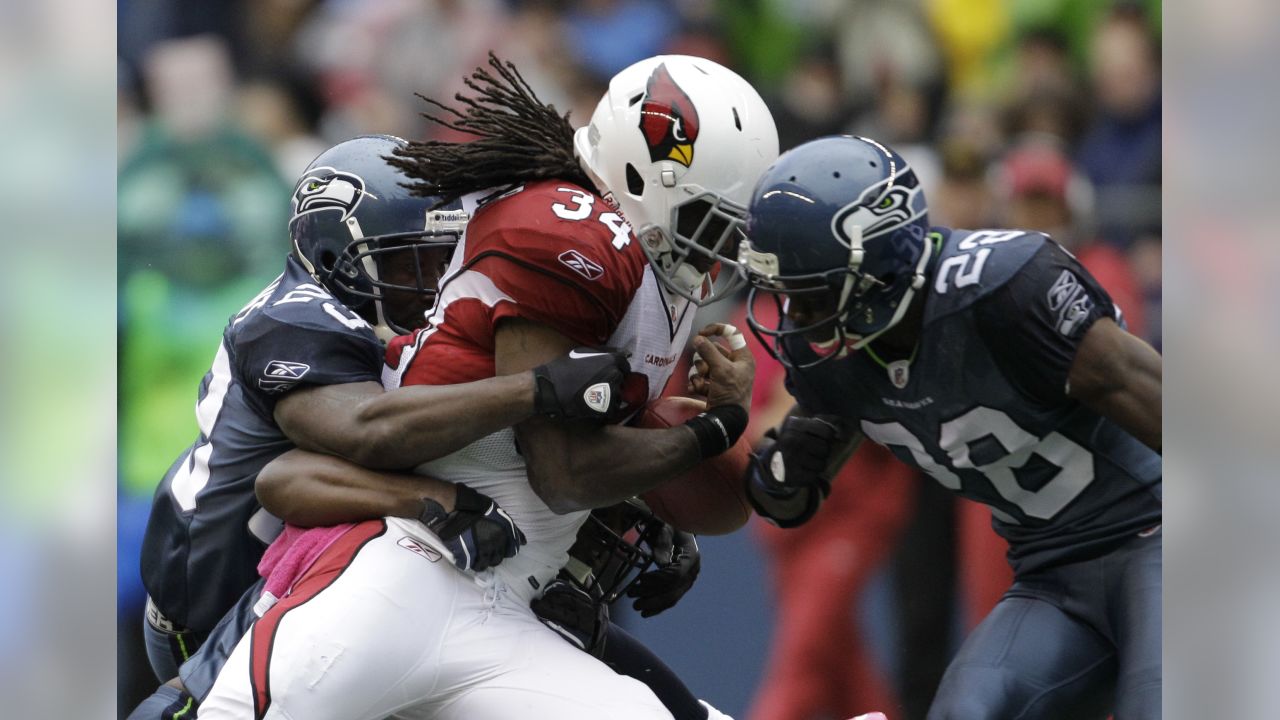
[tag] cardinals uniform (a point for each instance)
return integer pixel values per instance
(383, 624)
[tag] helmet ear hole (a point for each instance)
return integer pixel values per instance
(328, 261)
(635, 184)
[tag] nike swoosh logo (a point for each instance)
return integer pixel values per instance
(575, 355)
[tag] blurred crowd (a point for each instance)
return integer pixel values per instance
(1037, 114)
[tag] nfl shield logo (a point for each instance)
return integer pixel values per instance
(597, 397)
(899, 373)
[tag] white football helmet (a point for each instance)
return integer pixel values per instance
(677, 143)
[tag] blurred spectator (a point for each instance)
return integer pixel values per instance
(198, 200)
(608, 35)
(969, 31)
(810, 102)
(1043, 94)
(880, 40)
(1045, 111)
(371, 56)
(962, 199)
(974, 123)
(1042, 62)
(1121, 152)
(1040, 190)
(269, 113)
(902, 116)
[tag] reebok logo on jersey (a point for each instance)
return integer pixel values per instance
(280, 375)
(418, 548)
(1063, 290)
(1070, 301)
(597, 397)
(579, 263)
(1075, 312)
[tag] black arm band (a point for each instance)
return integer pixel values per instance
(718, 428)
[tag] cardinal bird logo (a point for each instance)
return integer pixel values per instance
(668, 119)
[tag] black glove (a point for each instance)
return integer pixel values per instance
(577, 615)
(478, 532)
(585, 384)
(796, 455)
(678, 565)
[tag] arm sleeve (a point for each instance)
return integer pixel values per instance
(1034, 323)
(277, 357)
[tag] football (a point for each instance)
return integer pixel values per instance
(708, 499)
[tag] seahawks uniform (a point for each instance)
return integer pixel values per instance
(411, 635)
(201, 550)
(982, 407)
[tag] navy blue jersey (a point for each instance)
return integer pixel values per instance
(199, 555)
(983, 406)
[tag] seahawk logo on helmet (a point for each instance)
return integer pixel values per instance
(668, 119)
(325, 188)
(892, 208)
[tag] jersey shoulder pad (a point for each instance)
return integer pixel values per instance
(301, 334)
(562, 229)
(557, 248)
(974, 263)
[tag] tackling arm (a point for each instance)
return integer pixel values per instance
(403, 427)
(309, 489)
(577, 465)
(1119, 376)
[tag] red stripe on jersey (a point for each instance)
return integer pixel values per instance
(323, 572)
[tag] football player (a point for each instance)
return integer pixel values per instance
(993, 361)
(378, 626)
(300, 366)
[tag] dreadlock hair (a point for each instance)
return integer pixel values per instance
(520, 139)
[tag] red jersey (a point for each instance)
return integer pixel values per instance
(551, 252)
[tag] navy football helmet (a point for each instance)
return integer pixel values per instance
(615, 546)
(836, 246)
(367, 239)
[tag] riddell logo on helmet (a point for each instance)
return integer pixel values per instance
(668, 119)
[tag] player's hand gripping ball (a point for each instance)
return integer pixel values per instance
(710, 498)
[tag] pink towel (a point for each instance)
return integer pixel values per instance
(291, 555)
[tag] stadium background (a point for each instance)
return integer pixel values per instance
(1044, 111)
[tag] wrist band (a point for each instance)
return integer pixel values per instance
(718, 428)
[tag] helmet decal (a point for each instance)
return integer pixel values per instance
(891, 209)
(668, 119)
(325, 188)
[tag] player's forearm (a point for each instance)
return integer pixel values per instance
(1136, 407)
(586, 467)
(308, 489)
(1120, 377)
(414, 424)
